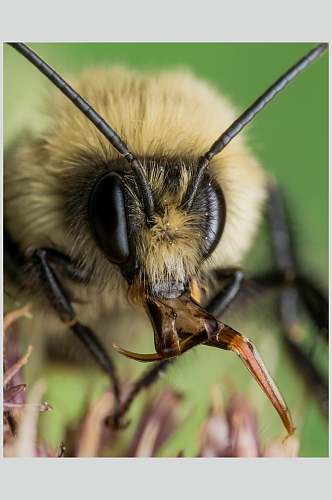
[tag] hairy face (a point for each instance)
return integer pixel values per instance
(169, 120)
(164, 254)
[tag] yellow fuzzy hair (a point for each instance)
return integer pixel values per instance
(159, 114)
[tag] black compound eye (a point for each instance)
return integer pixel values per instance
(215, 217)
(107, 218)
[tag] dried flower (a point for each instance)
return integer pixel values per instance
(20, 415)
(227, 432)
(159, 421)
(234, 432)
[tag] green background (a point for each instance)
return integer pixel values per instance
(290, 137)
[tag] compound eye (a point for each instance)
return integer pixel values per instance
(107, 218)
(216, 216)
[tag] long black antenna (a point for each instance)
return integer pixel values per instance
(249, 114)
(95, 118)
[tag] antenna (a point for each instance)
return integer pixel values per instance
(248, 115)
(95, 118)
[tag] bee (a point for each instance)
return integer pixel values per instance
(131, 197)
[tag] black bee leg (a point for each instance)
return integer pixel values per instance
(287, 268)
(59, 299)
(287, 307)
(231, 281)
(302, 360)
(316, 304)
(144, 382)
(294, 288)
(66, 266)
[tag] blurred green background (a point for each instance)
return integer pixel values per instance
(290, 137)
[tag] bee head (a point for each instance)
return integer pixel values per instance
(162, 251)
(157, 224)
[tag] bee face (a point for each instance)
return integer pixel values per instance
(162, 254)
(99, 218)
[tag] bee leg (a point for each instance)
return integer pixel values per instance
(287, 269)
(144, 382)
(66, 266)
(293, 287)
(223, 298)
(316, 304)
(288, 313)
(59, 299)
(288, 301)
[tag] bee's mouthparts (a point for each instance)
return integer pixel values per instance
(181, 323)
(167, 289)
